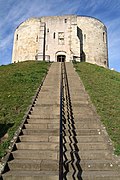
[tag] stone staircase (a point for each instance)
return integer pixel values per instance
(87, 149)
(37, 152)
(88, 152)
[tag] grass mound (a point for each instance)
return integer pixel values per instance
(18, 84)
(103, 86)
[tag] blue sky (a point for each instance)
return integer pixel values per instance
(13, 12)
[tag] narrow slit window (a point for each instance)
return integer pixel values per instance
(105, 62)
(17, 37)
(103, 36)
(48, 30)
(46, 47)
(54, 35)
(37, 39)
(85, 36)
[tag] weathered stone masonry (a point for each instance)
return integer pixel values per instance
(61, 38)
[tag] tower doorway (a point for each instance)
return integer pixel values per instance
(61, 58)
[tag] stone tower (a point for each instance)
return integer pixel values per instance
(61, 38)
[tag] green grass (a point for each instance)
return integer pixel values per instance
(18, 84)
(103, 86)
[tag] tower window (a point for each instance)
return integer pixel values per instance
(17, 37)
(85, 36)
(54, 35)
(65, 21)
(61, 38)
(46, 47)
(105, 62)
(48, 30)
(104, 37)
(37, 39)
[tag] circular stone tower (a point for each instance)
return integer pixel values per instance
(93, 40)
(61, 38)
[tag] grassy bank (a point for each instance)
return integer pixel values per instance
(103, 86)
(18, 84)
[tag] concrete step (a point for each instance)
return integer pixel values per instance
(39, 138)
(36, 126)
(47, 101)
(78, 98)
(34, 165)
(85, 146)
(87, 119)
(38, 145)
(48, 97)
(46, 109)
(47, 94)
(49, 88)
(54, 132)
(100, 165)
(79, 92)
(42, 120)
(50, 82)
(42, 126)
(45, 116)
(31, 175)
(101, 175)
(82, 132)
(82, 108)
(36, 154)
(81, 101)
(84, 116)
(84, 139)
(93, 175)
(46, 106)
(90, 154)
(92, 165)
(83, 125)
(81, 114)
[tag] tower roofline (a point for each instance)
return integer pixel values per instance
(64, 15)
(92, 18)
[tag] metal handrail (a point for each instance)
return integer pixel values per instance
(62, 84)
(61, 135)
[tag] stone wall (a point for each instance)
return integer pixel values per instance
(26, 41)
(94, 40)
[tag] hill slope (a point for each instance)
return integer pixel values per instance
(103, 86)
(18, 84)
